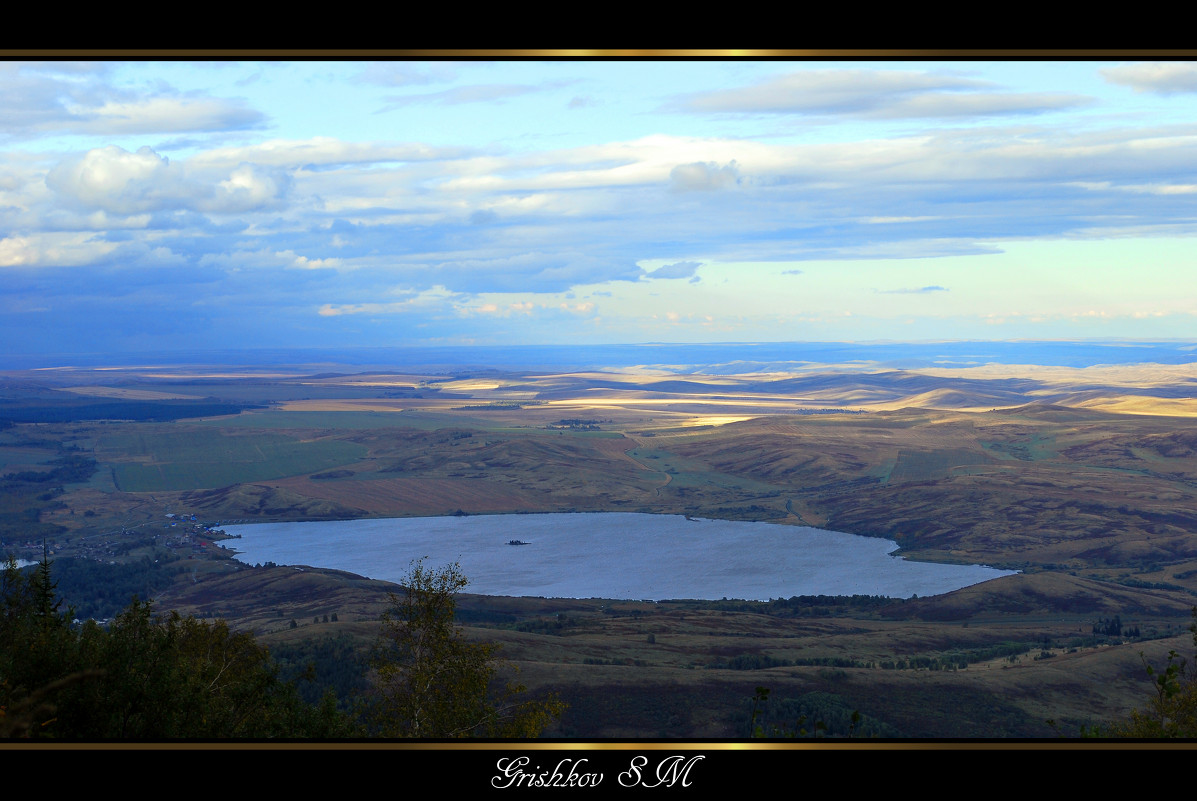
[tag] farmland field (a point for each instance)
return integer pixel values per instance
(313, 420)
(162, 460)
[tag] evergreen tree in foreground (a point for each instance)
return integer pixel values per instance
(145, 677)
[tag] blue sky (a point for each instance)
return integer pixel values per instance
(181, 205)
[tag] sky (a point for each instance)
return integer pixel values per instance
(151, 206)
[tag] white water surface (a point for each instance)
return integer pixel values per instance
(610, 555)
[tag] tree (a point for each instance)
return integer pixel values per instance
(38, 651)
(146, 676)
(431, 682)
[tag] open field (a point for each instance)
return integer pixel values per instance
(152, 459)
(1085, 479)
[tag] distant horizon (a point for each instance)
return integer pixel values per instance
(1053, 352)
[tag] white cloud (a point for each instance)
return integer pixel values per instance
(943, 106)
(304, 263)
(1161, 189)
(164, 115)
(876, 93)
(52, 249)
(323, 151)
(1162, 77)
(266, 258)
(523, 308)
(113, 180)
(701, 176)
(248, 188)
(17, 251)
(78, 98)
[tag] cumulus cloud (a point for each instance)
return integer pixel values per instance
(17, 251)
(248, 188)
(875, 93)
(1162, 77)
(701, 176)
(113, 180)
(52, 249)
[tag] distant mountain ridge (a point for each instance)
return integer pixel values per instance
(719, 357)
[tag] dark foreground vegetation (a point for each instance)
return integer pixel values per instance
(149, 676)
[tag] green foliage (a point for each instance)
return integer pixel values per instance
(99, 590)
(145, 677)
(318, 665)
(431, 682)
(814, 715)
(69, 469)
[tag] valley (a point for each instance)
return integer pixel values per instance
(1082, 478)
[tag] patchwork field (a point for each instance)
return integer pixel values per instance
(155, 460)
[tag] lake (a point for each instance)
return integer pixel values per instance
(610, 555)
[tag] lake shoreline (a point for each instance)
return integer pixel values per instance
(611, 555)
